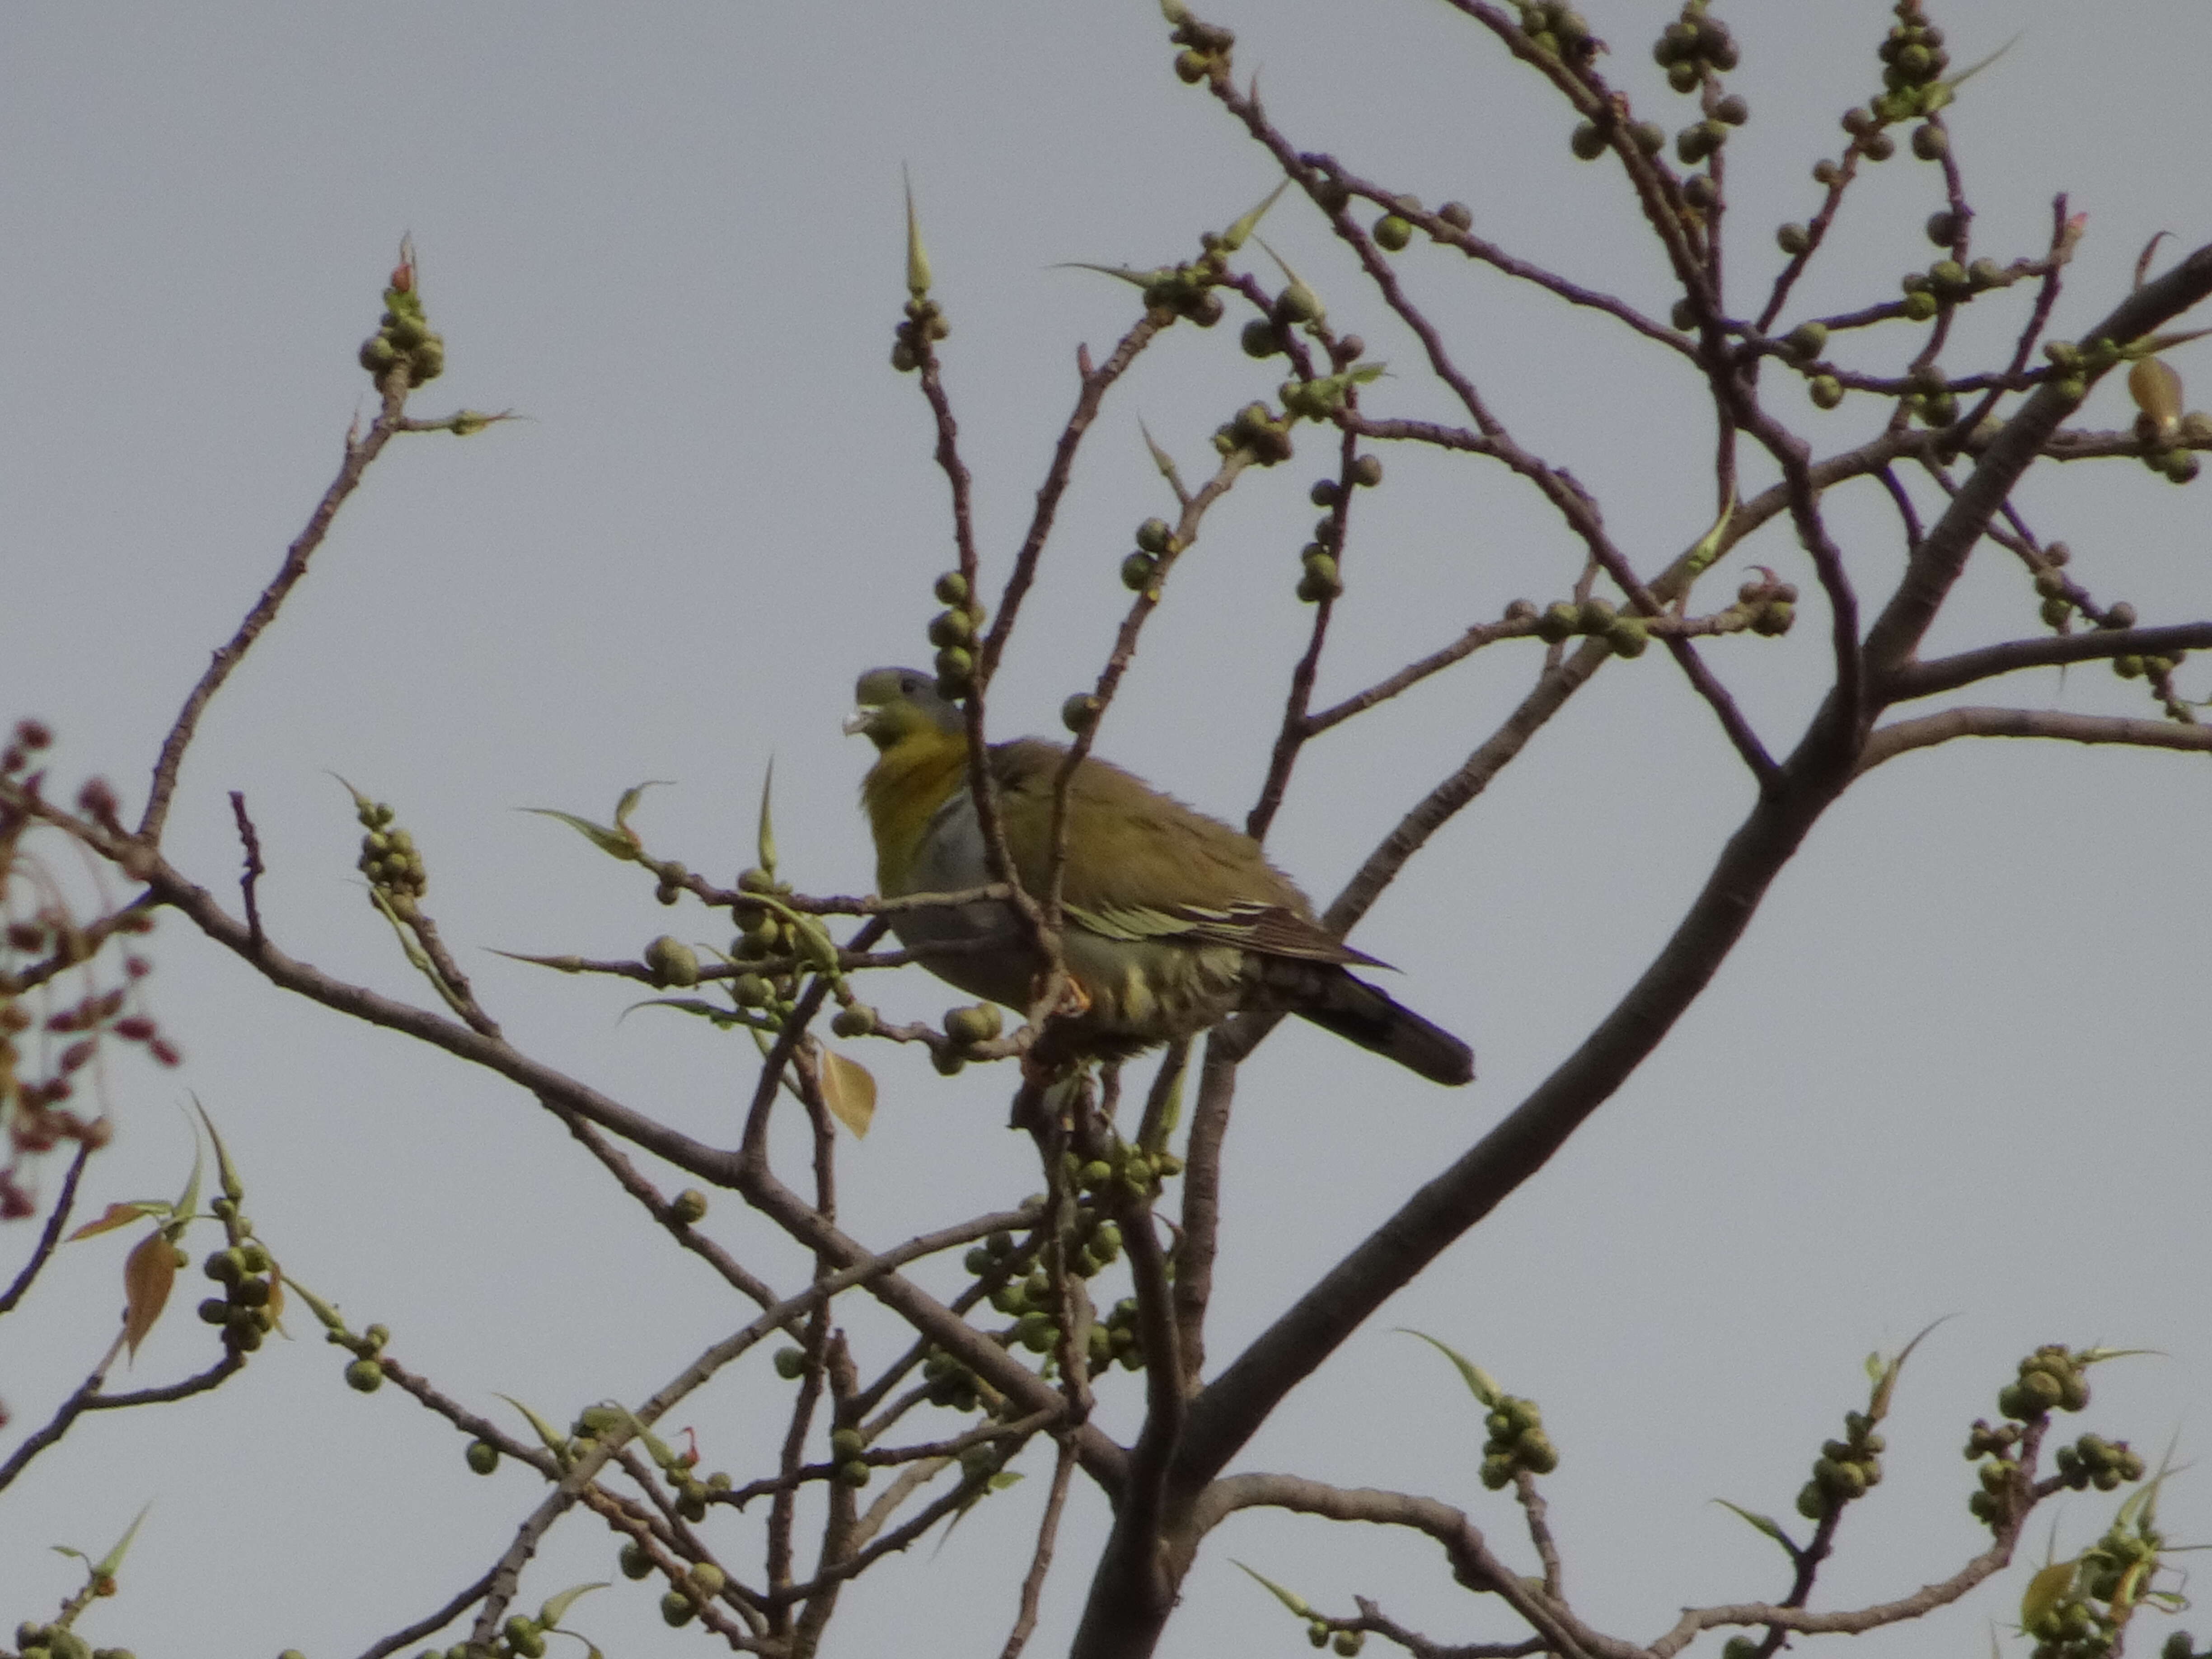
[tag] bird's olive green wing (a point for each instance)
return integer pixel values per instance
(1142, 866)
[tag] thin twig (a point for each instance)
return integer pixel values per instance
(359, 453)
(1063, 1472)
(50, 1236)
(254, 868)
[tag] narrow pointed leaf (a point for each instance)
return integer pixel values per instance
(1164, 461)
(556, 1443)
(917, 256)
(1884, 1382)
(616, 844)
(233, 1188)
(119, 1215)
(630, 796)
(550, 1614)
(109, 1564)
(1479, 1383)
(767, 819)
(188, 1199)
(148, 1271)
(567, 964)
(1764, 1523)
(1709, 545)
(849, 1089)
(1234, 237)
(1129, 273)
(322, 1310)
(1290, 1599)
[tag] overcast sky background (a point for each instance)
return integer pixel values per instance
(1956, 1067)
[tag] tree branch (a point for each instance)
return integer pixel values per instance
(1925, 679)
(1888, 742)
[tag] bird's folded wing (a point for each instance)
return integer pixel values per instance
(1269, 929)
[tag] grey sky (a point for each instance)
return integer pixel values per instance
(1957, 1067)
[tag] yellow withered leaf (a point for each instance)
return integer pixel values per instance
(148, 1272)
(849, 1091)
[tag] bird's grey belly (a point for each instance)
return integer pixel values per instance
(986, 953)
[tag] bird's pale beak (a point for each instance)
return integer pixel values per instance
(857, 722)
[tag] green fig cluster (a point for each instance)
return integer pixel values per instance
(2071, 1628)
(1844, 1469)
(970, 1027)
(1517, 1442)
(767, 950)
(1628, 634)
(1322, 1634)
(2110, 1581)
(1156, 540)
(925, 323)
(403, 339)
(1912, 65)
(1120, 1170)
(945, 1382)
(389, 860)
(1259, 431)
(2050, 1379)
(1557, 30)
(247, 1310)
(1118, 1339)
(1205, 48)
(688, 1206)
(2073, 363)
(1319, 578)
(57, 1641)
(2093, 1460)
(1692, 44)
(672, 963)
(954, 631)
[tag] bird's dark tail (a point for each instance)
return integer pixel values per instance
(1360, 1013)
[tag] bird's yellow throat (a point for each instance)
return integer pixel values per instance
(904, 789)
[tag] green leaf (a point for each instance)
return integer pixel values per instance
(233, 1188)
(1129, 274)
(555, 1442)
(1234, 237)
(1762, 1524)
(567, 964)
(1290, 1599)
(1709, 545)
(1164, 462)
(628, 804)
(550, 1614)
(917, 257)
(321, 1309)
(767, 821)
(2045, 1590)
(616, 844)
(714, 1013)
(188, 1201)
(1885, 1373)
(1479, 1383)
(106, 1565)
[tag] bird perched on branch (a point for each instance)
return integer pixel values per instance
(1173, 920)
